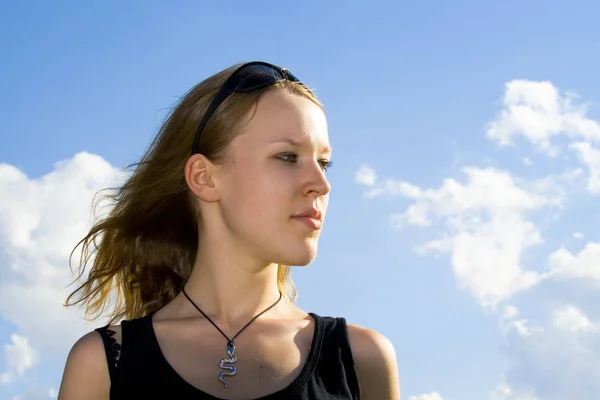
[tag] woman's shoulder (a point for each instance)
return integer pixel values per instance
(368, 345)
(86, 374)
(375, 362)
(89, 349)
(373, 356)
(87, 368)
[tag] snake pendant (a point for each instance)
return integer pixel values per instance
(229, 369)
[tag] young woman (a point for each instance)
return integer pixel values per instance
(197, 251)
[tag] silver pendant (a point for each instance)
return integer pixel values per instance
(229, 369)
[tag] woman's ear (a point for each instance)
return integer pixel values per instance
(199, 175)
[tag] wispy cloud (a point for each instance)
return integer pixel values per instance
(486, 228)
(20, 357)
(490, 219)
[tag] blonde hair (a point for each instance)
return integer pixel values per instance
(146, 246)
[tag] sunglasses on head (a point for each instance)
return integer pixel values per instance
(246, 78)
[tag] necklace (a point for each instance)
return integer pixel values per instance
(223, 363)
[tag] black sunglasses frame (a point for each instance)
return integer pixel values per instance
(250, 76)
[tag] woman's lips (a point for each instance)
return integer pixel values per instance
(310, 222)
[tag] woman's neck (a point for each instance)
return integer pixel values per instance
(229, 293)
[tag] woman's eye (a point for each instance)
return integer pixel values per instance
(288, 157)
(325, 164)
(292, 158)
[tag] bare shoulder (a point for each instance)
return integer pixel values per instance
(86, 369)
(375, 362)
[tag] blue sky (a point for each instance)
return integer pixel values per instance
(465, 185)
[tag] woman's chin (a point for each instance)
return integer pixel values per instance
(300, 256)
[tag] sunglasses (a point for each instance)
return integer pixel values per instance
(246, 78)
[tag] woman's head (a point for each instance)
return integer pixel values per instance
(259, 162)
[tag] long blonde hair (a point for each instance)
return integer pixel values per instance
(146, 246)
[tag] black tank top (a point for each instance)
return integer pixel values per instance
(138, 370)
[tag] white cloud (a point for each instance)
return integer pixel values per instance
(524, 327)
(504, 392)
(590, 157)
(41, 220)
(510, 312)
(486, 226)
(417, 214)
(538, 112)
(572, 319)
(490, 220)
(20, 357)
(391, 187)
(366, 176)
(585, 264)
(559, 359)
(427, 396)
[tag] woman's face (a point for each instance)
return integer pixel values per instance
(275, 172)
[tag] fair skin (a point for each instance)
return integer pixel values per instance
(248, 226)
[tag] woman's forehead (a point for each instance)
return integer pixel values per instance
(290, 119)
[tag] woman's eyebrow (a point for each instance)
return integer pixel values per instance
(298, 143)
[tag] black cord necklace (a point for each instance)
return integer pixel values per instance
(229, 369)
